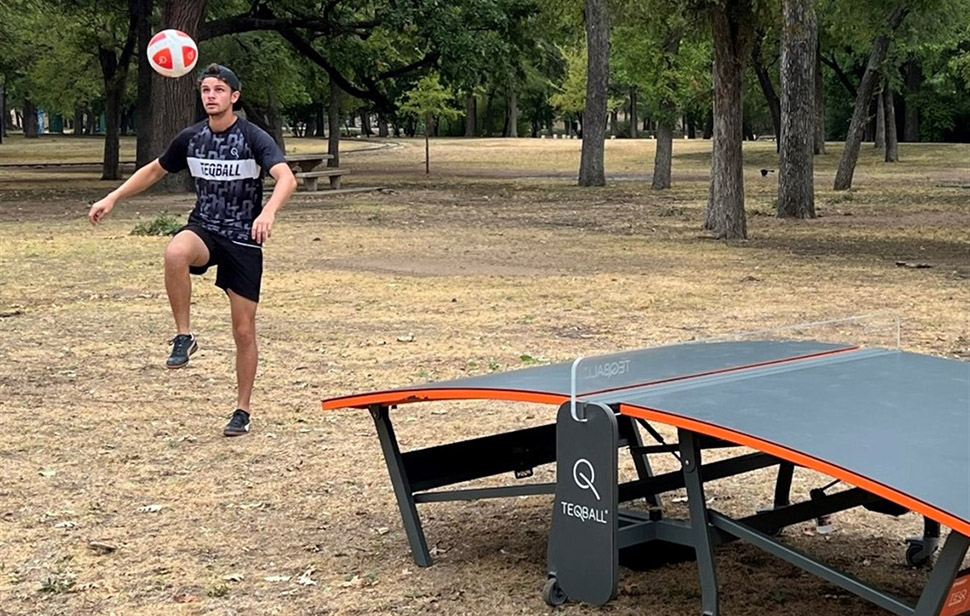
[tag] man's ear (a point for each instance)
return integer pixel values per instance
(234, 97)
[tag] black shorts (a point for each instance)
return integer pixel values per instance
(240, 266)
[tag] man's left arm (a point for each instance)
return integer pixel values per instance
(285, 185)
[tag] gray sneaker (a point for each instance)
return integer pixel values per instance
(238, 424)
(183, 345)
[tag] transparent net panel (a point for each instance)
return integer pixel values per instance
(879, 329)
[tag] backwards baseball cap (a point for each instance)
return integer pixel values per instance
(222, 73)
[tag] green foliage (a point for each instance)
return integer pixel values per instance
(571, 95)
(429, 99)
(163, 224)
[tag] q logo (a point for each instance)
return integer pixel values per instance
(234, 152)
(585, 480)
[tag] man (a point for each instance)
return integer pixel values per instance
(228, 158)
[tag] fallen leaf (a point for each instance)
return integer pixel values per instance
(277, 578)
(47, 473)
(233, 577)
(150, 509)
(408, 338)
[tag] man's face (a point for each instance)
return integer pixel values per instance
(217, 96)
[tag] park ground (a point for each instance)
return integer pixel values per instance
(118, 494)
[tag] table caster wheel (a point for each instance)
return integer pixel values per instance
(552, 594)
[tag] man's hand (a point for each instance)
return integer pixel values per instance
(262, 226)
(101, 209)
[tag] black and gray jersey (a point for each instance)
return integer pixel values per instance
(228, 168)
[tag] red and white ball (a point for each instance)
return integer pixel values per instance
(172, 53)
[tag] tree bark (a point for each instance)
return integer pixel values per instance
(661, 161)
(731, 27)
(819, 98)
(173, 106)
(471, 115)
(30, 119)
(382, 125)
(3, 111)
(913, 73)
(513, 114)
(591, 165)
(333, 118)
(796, 190)
(892, 142)
(143, 118)
(880, 50)
(633, 112)
(764, 80)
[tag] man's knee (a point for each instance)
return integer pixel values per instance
(244, 331)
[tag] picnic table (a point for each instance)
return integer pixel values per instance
(308, 167)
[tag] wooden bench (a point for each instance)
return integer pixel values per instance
(310, 178)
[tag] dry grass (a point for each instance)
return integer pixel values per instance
(493, 256)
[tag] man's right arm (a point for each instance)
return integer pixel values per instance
(141, 180)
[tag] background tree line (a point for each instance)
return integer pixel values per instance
(795, 70)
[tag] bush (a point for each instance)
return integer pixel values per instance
(163, 224)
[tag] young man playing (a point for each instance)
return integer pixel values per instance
(228, 158)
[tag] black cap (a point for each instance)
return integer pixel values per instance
(221, 72)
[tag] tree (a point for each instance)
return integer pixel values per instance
(880, 49)
(664, 54)
(732, 27)
(796, 192)
(591, 166)
(430, 101)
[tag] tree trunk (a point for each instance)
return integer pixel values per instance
(796, 190)
(633, 112)
(892, 143)
(173, 104)
(143, 118)
(880, 49)
(661, 161)
(819, 99)
(513, 114)
(30, 119)
(879, 140)
(487, 128)
(382, 125)
(3, 111)
(913, 75)
(731, 33)
(275, 121)
(691, 127)
(78, 120)
(365, 123)
(333, 118)
(427, 144)
(591, 166)
(319, 111)
(471, 115)
(114, 84)
(764, 80)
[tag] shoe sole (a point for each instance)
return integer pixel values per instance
(195, 347)
(236, 432)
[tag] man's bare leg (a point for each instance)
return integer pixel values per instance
(247, 358)
(185, 249)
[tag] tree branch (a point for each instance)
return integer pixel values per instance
(843, 78)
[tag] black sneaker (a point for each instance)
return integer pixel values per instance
(183, 345)
(238, 424)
